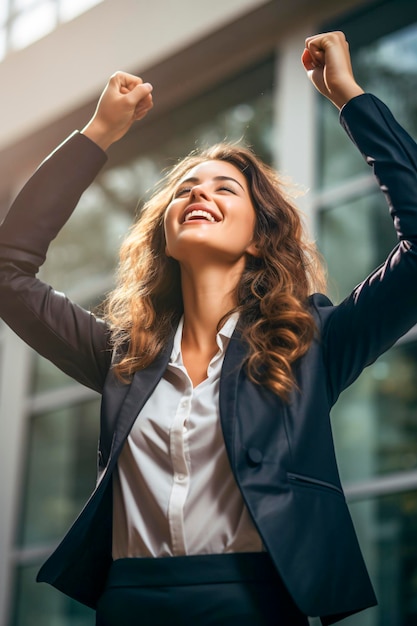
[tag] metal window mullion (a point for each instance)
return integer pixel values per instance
(346, 191)
(389, 484)
(14, 382)
(58, 398)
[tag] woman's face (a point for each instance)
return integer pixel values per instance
(211, 216)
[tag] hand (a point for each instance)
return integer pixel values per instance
(326, 59)
(125, 99)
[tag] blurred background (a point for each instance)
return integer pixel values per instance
(224, 69)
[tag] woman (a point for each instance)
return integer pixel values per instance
(218, 499)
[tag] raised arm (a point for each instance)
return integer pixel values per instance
(72, 338)
(384, 306)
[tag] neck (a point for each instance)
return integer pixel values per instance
(208, 294)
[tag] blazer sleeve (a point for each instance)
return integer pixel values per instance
(384, 306)
(66, 334)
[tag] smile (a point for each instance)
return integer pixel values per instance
(199, 214)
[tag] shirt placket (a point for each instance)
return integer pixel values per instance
(181, 475)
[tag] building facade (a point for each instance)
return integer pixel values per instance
(221, 70)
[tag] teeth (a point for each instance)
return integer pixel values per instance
(199, 213)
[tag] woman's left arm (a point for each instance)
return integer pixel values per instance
(384, 306)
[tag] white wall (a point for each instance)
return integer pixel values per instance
(68, 67)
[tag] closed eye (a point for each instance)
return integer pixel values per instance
(182, 192)
(225, 188)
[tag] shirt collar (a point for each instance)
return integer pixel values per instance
(222, 337)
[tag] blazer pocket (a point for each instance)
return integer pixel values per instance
(300, 480)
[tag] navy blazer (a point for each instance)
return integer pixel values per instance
(281, 454)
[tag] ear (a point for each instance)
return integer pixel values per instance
(253, 250)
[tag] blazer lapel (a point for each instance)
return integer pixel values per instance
(141, 387)
(234, 358)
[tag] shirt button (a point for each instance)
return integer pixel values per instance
(180, 477)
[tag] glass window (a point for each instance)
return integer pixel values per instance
(388, 68)
(360, 230)
(387, 529)
(87, 247)
(339, 157)
(41, 605)
(374, 421)
(46, 376)
(60, 472)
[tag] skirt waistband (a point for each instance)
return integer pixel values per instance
(191, 570)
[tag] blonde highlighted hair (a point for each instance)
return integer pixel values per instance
(271, 296)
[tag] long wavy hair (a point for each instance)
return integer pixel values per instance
(271, 295)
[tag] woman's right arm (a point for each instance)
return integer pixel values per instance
(59, 330)
(72, 338)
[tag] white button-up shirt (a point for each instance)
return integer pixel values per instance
(174, 491)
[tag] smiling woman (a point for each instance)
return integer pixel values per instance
(204, 197)
(218, 498)
(256, 249)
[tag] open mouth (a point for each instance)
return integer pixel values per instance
(199, 214)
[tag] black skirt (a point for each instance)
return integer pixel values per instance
(240, 589)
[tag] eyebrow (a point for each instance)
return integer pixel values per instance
(194, 179)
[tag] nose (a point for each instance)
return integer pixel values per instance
(199, 191)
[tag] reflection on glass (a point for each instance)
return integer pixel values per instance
(60, 473)
(41, 605)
